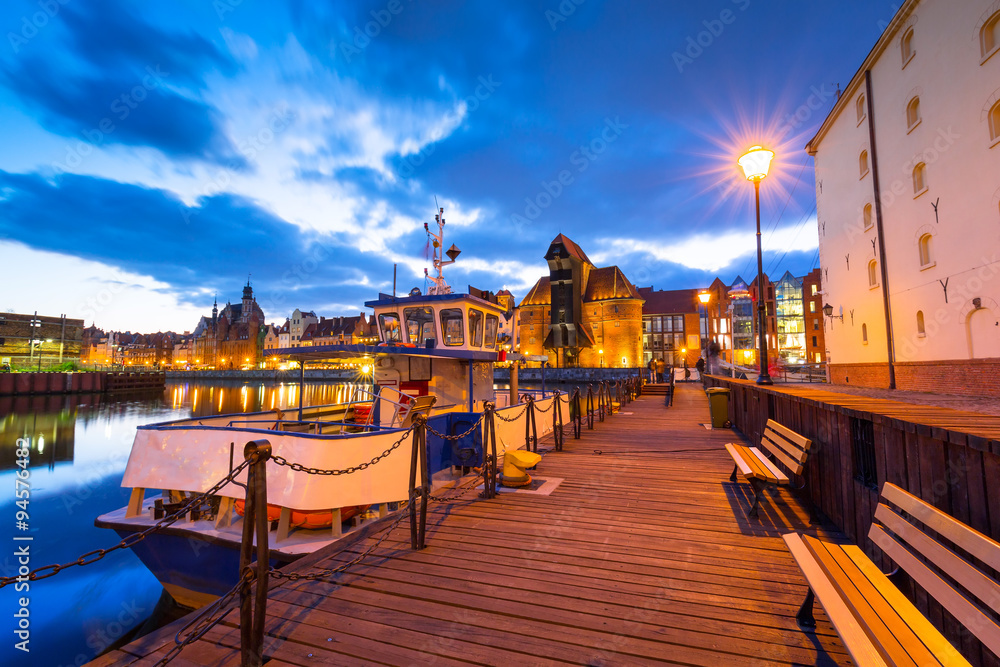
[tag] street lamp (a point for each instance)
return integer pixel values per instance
(601, 352)
(755, 164)
(828, 311)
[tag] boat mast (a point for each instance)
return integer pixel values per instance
(438, 284)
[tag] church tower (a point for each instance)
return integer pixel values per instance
(247, 302)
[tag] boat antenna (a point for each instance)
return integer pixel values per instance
(439, 286)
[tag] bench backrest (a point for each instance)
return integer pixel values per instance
(912, 547)
(786, 445)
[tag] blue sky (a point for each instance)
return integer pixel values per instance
(157, 153)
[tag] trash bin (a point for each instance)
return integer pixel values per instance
(718, 406)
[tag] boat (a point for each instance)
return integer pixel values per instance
(435, 357)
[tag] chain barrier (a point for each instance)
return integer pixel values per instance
(203, 621)
(298, 467)
(512, 419)
(322, 575)
(134, 538)
(576, 413)
(460, 435)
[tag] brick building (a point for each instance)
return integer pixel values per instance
(26, 340)
(581, 315)
(670, 326)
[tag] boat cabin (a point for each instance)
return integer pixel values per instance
(448, 321)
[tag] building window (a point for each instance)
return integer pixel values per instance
(919, 178)
(864, 334)
(920, 324)
(812, 306)
(990, 36)
(861, 108)
(873, 273)
(924, 244)
(863, 163)
(815, 324)
(913, 113)
(906, 46)
(867, 216)
(814, 289)
(815, 343)
(995, 122)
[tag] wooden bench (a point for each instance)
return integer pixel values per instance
(879, 626)
(778, 444)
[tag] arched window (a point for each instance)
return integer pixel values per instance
(872, 273)
(863, 163)
(995, 122)
(919, 178)
(913, 113)
(906, 46)
(924, 245)
(920, 323)
(989, 36)
(861, 108)
(867, 216)
(864, 334)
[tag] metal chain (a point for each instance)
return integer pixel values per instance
(459, 491)
(96, 555)
(298, 467)
(551, 405)
(459, 436)
(512, 419)
(204, 622)
(330, 571)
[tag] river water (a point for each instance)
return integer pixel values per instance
(79, 445)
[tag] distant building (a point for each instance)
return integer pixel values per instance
(297, 326)
(581, 315)
(670, 326)
(232, 338)
(27, 340)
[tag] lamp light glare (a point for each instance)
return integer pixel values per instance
(756, 162)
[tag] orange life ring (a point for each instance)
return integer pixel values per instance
(308, 519)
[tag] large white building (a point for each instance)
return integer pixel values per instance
(908, 196)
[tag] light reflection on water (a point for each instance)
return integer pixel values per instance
(79, 448)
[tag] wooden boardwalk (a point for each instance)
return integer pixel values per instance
(643, 554)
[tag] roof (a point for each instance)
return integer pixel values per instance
(666, 302)
(856, 81)
(540, 294)
(609, 283)
(572, 249)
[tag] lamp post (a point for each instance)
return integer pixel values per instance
(755, 163)
(601, 352)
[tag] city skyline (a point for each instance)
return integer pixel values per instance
(147, 175)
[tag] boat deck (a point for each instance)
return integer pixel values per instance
(642, 554)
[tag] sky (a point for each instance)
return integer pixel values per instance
(158, 154)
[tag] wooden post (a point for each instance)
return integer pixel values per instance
(336, 527)
(134, 507)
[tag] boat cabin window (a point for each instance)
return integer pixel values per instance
(476, 327)
(419, 324)
(492, 326)
(451, 325)
(391, 331)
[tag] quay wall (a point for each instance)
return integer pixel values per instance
(14, 384)
(948, 458)
(337, 375)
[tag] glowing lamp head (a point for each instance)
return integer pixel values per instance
(704, 297)
(366, 369)
(756, 162)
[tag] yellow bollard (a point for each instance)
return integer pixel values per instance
(514, 464)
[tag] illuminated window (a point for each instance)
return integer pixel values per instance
(989, 36)
(861, 108)
(924, 245)
(863, 163)
(873, 273)
(864, 334)
(391, 331)
(419, 325)
(476, 327)
(919, 178)
(920, 323)
(814, 289)
(451, 326)
(995, 122)
(913, 113)
(492, 327)
(867, 216)
(906, 46)
(812, 306)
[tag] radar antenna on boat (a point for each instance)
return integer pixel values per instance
(438, 284)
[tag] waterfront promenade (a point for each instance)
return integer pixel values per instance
(643, 554)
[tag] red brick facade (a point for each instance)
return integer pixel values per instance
(962, 377)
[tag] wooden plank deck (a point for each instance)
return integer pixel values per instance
(643, 554)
